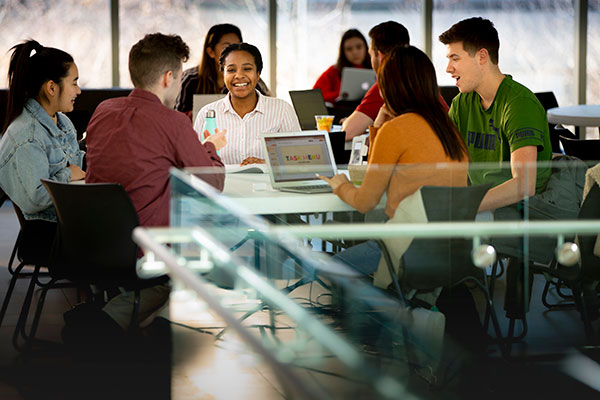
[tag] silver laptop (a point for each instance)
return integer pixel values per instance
(294, 159)
(355, 83)
(200, 100)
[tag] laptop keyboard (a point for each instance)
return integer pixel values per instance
(309, 189)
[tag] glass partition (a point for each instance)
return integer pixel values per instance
(281, 270)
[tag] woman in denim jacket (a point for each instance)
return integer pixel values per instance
(38, 141)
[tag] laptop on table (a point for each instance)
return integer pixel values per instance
(294, 159)
(356, 82)
(307, 104)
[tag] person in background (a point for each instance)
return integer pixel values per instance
(207, 77)
(245, 113)
(419, 132)
(353, 53)
(136, 140)
(38, 140)
(384, 37)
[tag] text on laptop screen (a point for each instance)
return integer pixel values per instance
(298, 158)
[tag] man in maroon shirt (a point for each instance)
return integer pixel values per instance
(135, 140)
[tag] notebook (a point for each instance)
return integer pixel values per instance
(356, 82)
(307, 104)
(295, 157)
(200, 100)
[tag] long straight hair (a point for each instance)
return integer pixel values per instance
(28, 71)
(342, 60)
(408, 84)
(207, 70)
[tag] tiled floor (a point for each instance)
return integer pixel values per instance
(202, 368)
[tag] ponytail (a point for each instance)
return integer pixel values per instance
(32, 65)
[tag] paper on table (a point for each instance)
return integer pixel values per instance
(246, 169)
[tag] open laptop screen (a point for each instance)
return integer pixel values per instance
(299, 158)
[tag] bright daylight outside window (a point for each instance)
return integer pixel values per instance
(309, 33)
(81, 28)
(191, 20)
(537, 39)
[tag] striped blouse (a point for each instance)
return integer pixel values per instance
(243, 134)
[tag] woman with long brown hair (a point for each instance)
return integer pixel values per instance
(207, 77)
(417, 133)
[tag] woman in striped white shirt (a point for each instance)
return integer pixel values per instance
(245, 113)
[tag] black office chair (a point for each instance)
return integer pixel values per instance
(548, 100)
(584, 149)
(28, 251)
(581, 279)
(432, 263)
(448, 93)
(93, 244)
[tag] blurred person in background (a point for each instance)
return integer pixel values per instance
(353, 53)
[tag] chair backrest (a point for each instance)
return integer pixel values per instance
(444, 203)
(548, 100)
(3, 197)
(584, 149)
(430, 263)
(590, 209)
(449, 93)
(95, 222)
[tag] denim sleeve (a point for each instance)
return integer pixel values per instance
(28, 165)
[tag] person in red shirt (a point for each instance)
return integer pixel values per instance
(135, 140)
(353, 53)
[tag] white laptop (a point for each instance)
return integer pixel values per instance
(200, 100)
(355, 83)
(294, 159)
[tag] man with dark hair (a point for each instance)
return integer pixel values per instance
(500, 119)
(384, 37)
(502, 122)
(135, 140)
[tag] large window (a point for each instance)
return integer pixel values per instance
(593, 53)
(81, 28)
(191, 19)
(309, 33)
(537, 36)
(537, 39)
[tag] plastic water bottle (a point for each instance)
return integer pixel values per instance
(210, 125)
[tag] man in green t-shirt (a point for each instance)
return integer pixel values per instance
(501, 120)
(503, 125)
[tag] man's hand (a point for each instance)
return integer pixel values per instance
(218, 139)
(383, 116)
(335, 180)
(253, 160)
(76, 172)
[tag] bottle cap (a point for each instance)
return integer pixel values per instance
(210, 114)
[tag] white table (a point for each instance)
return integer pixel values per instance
(579, 116)
(245, 189)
